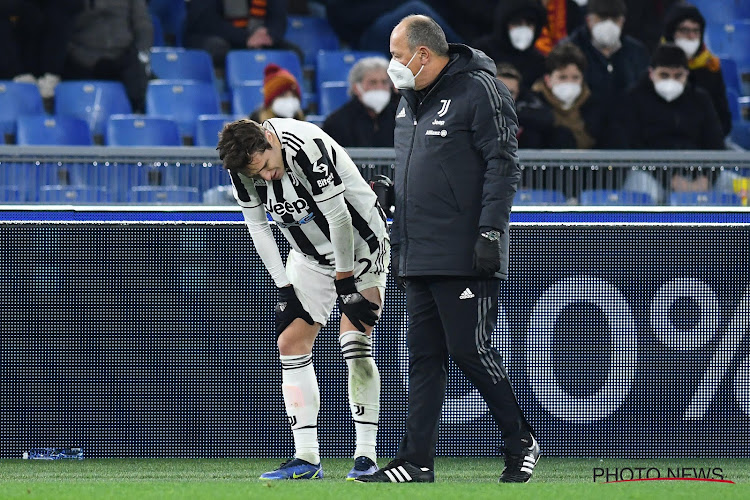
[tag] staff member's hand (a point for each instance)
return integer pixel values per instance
(289, 308)
(487, 251)
(399, 280)
(356, 307)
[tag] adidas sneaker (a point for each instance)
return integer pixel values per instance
(519, 468)
(399, 471)
(295, 469)
(363, 466)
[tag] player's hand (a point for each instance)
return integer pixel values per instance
(487, 252)
(399, 280)
(354, 305)
(289, 308)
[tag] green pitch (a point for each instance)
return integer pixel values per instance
(554, 478)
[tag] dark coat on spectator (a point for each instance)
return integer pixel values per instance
(349, 18)
(352, 126)
(206, 17)
(688, 122)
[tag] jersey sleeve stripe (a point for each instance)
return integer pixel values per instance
(363, 228)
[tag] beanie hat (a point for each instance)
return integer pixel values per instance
(277, 81)
(677, 14)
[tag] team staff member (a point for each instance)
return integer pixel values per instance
(306, 182)
(456, 175)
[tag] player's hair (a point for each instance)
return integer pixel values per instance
(562, 55)
(363, 66)
(423, 30)
(239, 141)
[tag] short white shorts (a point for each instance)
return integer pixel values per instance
(314, 284)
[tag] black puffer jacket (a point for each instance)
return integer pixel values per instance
(456, 168)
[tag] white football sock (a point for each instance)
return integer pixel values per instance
(364, 390)
(302, 400)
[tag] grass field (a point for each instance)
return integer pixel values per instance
(554, 478)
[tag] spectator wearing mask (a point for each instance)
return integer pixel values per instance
(614, 62)
(282, 96)
(562, 18)
(111, 40)
(518, 24)
(685, 26)
(218, 26)
(369, 117)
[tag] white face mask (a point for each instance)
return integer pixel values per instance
(567, 92)
(401, 75)
(581, 3)
(669, 89)
(690, 47)
(285, 107)
(606, 33)
(521, 37)
(376, 99)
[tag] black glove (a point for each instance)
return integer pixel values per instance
(289, 308)
(357, 308)
(399, 280)
(487, 251)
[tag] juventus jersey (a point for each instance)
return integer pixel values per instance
(317, 169)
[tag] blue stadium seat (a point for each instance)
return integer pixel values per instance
(741, 133)
(614, 197)
(332, 96)
(247, 65)
(723, 11)
(140, 130)
(334, 65)
(734, 104)
(704, 199)
(17, 99)
(247, 98)
(15, 180)
(158, 31)
(182, 101)
(731, 74)
(730, 40)
(93, 101)
(208, 127)
(171, 15)
(539, 197)
(169, 63)
(164, 194)
(311, 34)
(62, 194)
(53, 130)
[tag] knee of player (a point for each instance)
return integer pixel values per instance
(289, 344)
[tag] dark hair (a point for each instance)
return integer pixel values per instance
(669, 55)
(607, 8)
(507, 70)
(239, 141)
(564, 54)
(423, 30)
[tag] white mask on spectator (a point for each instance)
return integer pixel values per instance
(567, 92)
(690, 47)
(376, 99)
(606, 33)
(521, 37)
(401, 75)
(581, 3)
(669, 89)
(285, 107)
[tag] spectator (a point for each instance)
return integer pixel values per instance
(33, 40)
(645, 20)
(368, 118)
(367, 24)
(579, 120)
(562, 18)
(218, 26)
(685, 26)
(518, 24)
(614, 63)
(282, 96)
(111, 40)
(665, 111)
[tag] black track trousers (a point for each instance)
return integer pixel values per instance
(442, 324)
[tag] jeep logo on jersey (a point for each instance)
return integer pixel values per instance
(297, 206)
(444, 109)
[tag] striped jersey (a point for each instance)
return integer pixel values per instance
(317, 169)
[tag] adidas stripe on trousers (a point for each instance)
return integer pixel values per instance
(447, 321)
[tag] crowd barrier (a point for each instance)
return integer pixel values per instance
(150, 334)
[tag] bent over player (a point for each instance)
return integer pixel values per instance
(312, 190)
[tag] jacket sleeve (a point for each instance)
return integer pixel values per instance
(494, 126)
(712, 134)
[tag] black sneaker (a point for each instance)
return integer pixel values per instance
(399, 471)
(519, 468)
